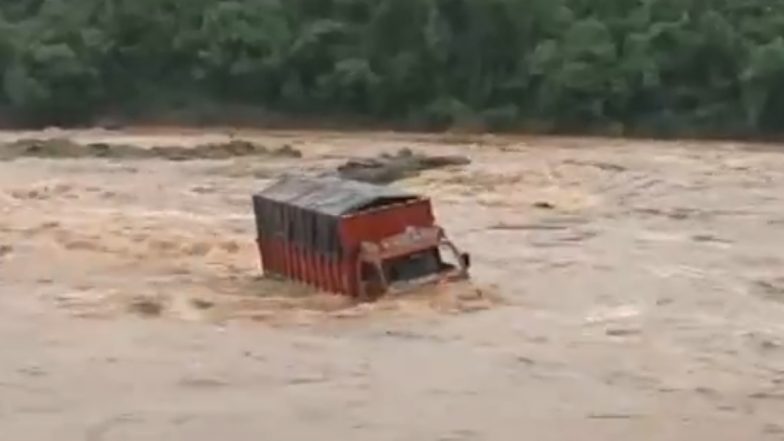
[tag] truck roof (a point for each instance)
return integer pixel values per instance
(331, 195)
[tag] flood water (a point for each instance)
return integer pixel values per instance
(629, 290)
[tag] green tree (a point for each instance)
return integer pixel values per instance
(660, 67)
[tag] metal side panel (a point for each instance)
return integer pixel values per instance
(374, 226)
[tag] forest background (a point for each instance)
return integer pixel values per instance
(626, 67)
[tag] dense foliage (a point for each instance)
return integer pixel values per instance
(645, 66)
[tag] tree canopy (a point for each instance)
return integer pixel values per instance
(656, 67)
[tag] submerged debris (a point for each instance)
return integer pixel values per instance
(146, 306)
(388, 168)
(772, 290)
(66, 148)
(544, 205)
(5, 250)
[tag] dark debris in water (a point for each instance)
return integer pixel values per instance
(63, 148)
(544, 205)
(387, 168)
(772, 290)
(604, 166)
(146, 306)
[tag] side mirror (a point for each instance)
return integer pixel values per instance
(466, 259)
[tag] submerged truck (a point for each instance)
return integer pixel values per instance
(352, 238)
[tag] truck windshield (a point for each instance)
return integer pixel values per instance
(412, 266)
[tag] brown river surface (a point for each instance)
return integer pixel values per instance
(632, 290)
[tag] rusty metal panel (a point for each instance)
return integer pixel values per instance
(376, 225)
(285, 259)
(330, 195)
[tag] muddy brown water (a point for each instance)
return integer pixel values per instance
(631, 290)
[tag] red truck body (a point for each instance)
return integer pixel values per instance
(320, 231)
